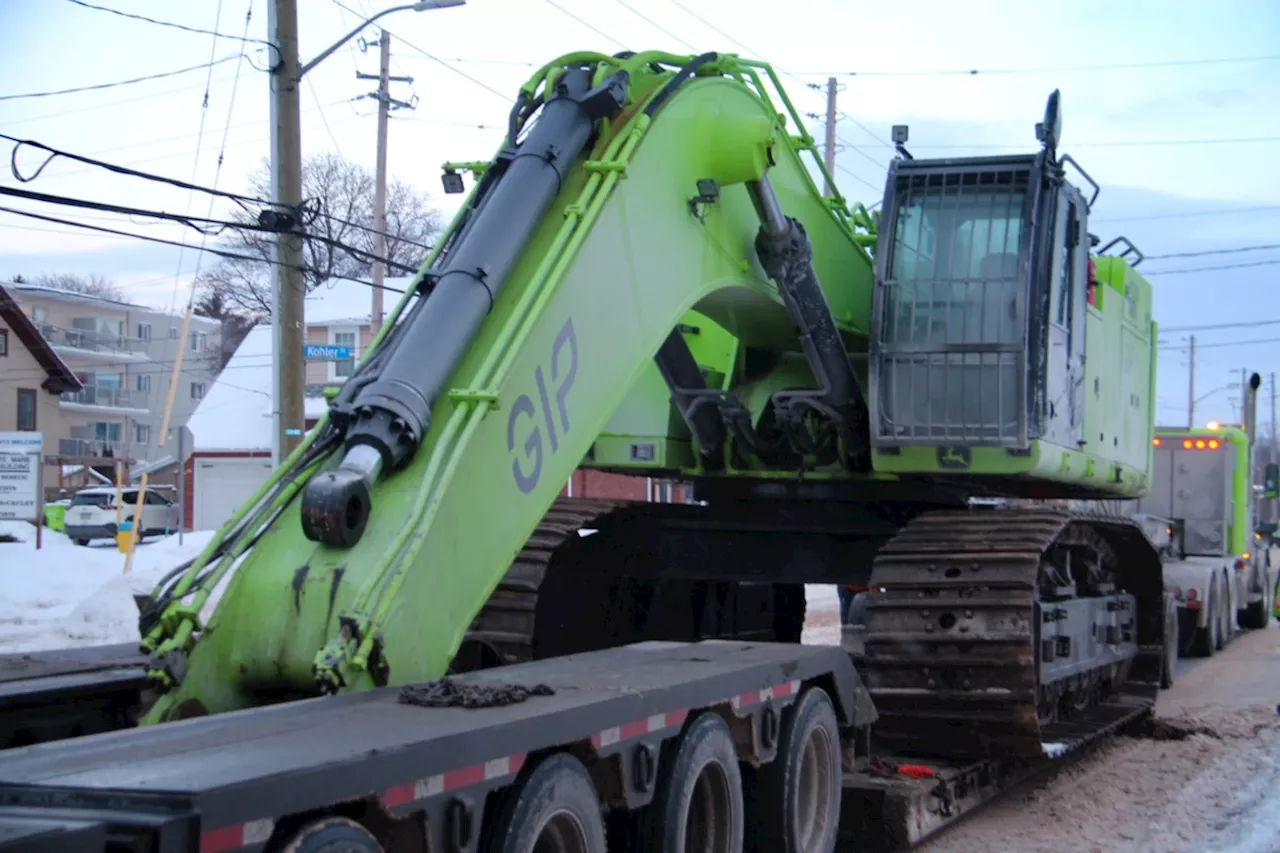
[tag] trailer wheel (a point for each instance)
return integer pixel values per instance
(1171, 643)
(333, 835)
(698, 805)
(804, 779)
(555, 809)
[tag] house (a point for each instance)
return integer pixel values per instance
(33, 378)
(123, 355)
(232, 427)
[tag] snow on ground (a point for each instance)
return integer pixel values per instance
(65, 595)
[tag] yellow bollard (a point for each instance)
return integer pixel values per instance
(124, 533)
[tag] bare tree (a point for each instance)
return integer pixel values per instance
(89, 285)
(344, 191)
(235, 323)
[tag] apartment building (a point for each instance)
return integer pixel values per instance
(123, 355)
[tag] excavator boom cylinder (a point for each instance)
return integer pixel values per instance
(391, 414)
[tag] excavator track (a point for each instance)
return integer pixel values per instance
(551, 602)
(505, 630)
(961, 630)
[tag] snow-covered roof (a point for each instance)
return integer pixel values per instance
(235, 414)
(340, 301)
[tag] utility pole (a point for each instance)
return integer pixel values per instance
(385, 102)
(1271, 451)
(829, 154)
(286, 192)
(1191, 387)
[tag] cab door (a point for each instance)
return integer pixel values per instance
(1064, 382)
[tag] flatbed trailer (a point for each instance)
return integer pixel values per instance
(444, 777)
(61, 693)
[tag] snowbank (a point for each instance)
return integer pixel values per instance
(66, 595)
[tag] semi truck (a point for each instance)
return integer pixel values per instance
(1218, 567)
(417, 644)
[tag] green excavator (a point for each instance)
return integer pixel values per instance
(646, 279)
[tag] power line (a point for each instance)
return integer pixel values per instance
(217, 35)
(1248, 324)
(591, 27)
(1142, 143)
(128, 82)
(1213, 252)
(220, 252)
(1214, 268)
(1198, 213)
(716, 29)
(1060, 69)
(436, 59)
(655, 24)
(55, 153)
(1200, 346)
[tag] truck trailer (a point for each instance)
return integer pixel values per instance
(421, 646)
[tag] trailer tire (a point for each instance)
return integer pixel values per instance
(1172, 643)
(1255, 615)
(699, 789)
(804, 779)
(333, 835)
(555, 809)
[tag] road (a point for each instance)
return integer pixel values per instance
(1208, 793)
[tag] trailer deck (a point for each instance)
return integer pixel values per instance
(59, 693)
(222, 782)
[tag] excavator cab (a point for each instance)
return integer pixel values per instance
(982, 273)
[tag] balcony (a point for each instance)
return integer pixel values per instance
(95, 399)
(91, 448)
(83, 342)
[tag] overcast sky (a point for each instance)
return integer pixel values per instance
(1184, 148)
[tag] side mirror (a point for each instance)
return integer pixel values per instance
(1271, 481)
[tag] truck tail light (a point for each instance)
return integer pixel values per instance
(1191, 595)
(1177, 593)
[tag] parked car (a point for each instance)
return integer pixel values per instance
(92, 514)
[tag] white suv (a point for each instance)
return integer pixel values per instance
(92, 514)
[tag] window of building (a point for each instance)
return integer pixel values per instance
(197, 390)
(39, 314)
(27, 409)
(144, 332)
(197, 341)
(4, 342)
(173, 333)
(144, 383)
(142, 433)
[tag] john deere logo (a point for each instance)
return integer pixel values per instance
(953, 458)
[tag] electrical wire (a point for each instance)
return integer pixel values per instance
(217, 35)
(220, 252)
(655, 24)
(1205, 252)
(1213, 268)
(435, 59)
(55, 153)
(805, 83)
(1197, 213)
(1141, 143)
(1060, 69)
(589, 26)
(201, 224)
(1247, 324)
(128, 82)
(1219, 344)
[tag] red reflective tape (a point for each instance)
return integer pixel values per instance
(234, 837)
(398, 795)
(635, 729)
(455, 779)
(220, 840)
(676, 718)
(515, 763)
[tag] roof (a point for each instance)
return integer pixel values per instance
(235, 414)
(60, 378)
(340, 301)
(70, 295)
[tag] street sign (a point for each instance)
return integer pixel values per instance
(20, 476)
(326, 352)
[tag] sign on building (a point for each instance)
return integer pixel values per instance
(21, 497)
(326, 352)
